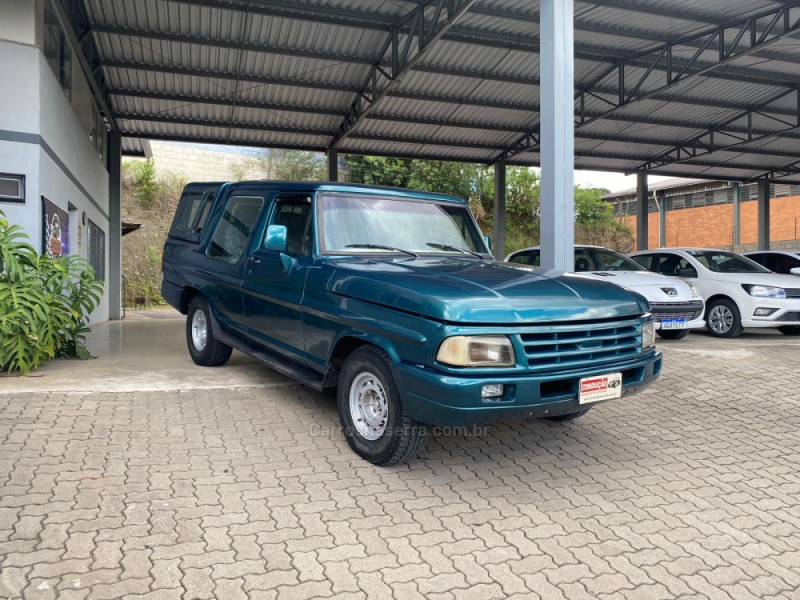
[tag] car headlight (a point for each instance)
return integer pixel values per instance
(477, 351)
(695, 291)
(764, 291)
(648, 335)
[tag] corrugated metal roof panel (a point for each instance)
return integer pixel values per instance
(500, 46)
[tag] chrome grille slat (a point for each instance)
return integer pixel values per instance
(562, 347)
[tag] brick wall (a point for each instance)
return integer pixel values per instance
(712, 226)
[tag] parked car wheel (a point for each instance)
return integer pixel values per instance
(673, 334)
(790, 330)
(569, 416)
(723, 319)
(206, 350)
(371, 411)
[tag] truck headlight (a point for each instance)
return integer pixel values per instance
(476, 351)
(764, 291)
(693, 289)
(648, 335)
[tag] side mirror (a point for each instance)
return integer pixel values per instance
(488, 240)
(795, 271)
(687, 272)
(276, 238)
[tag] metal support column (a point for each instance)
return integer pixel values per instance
(114, 271)
(333, 165)
(737, 215)
(642, 214)
(662, 220)
(763, 214)
(499, 233)
(557, 134)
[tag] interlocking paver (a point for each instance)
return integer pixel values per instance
(690, 489)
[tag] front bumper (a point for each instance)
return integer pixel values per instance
(784, 311)
(691, 312)
(444, 400)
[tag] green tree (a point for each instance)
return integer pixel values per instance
(591, 209)
(144, 178)
(297, 165)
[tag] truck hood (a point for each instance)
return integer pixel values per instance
(470, 291)
(654, 287)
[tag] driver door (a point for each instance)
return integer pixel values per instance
(274, 286)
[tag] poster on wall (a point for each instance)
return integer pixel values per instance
(55, 240)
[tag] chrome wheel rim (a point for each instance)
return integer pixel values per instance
(199, 330)
(720, 319)
(369, 406)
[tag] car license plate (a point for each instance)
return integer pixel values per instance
(601, 387)
(673, 324)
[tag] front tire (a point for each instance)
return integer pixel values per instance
(673, 334)
(372, 413)
(204, 347)
(723, 319)
(790, 329)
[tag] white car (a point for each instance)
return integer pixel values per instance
(786, 262)
(676, 306)
(738, 292)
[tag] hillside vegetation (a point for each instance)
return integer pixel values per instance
(150, 197)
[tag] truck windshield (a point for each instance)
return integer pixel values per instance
(351, 224)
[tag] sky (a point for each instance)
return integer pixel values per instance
(614, 182)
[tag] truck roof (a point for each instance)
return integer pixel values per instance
(331, 186)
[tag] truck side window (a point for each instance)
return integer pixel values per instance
(294, 214)
(234, 228)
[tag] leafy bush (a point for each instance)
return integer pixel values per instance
(44, 303)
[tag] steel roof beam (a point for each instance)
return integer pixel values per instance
(408, 42)
(296, 130)
(227, 44)
(206, 74)
(186, 100)
(704, 143)
(661, 58)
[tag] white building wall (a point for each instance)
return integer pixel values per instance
(42, 137)
(19, 131)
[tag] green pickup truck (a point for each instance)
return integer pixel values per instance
(392, 296)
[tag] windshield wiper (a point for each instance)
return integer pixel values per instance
(453, 249)
(380, 247)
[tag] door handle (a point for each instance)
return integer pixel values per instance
(254, 260)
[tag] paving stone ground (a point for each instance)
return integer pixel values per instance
(689, 490)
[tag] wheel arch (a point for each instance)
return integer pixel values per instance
(716, 297)
(187, 295)
(347, 343)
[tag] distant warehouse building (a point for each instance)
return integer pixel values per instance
(716, 214)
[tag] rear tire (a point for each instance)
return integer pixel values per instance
(568, 417)
(790, 329)
(673, 334)
(723, 319)
(204, 347)
(372, 413)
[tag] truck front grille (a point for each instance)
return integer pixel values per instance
(556, 348)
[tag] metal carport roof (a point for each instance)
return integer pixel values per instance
(693, 88)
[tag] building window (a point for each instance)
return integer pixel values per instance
(96, 250)
(12, 188)
(57, 50)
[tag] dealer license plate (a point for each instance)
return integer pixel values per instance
(673, 324)
(601, 387)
